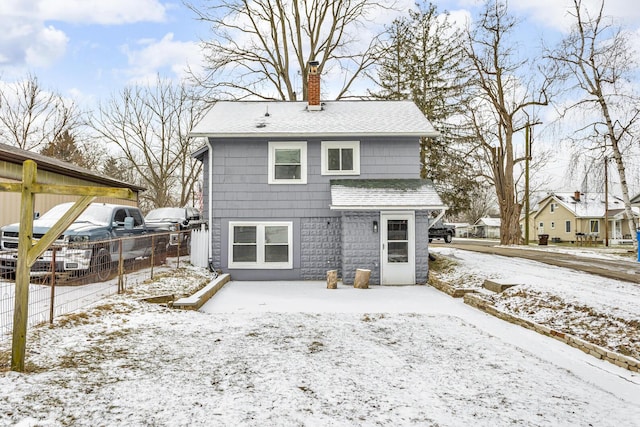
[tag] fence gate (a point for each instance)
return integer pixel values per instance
(200, 247)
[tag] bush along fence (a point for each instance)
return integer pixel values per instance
(72, 275)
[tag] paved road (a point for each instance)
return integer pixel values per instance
(628, 271)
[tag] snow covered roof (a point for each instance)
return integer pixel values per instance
(490, 222)
(588, 205)
(336, 118)
(384, 194)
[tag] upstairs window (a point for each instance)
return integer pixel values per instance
(287, 162)
(340, 158)
(553, 207)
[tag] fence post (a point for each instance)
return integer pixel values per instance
(120, 268)
(53, 284)
(153, 253)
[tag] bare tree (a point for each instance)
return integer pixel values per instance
(150, 125)
(598, 59)
(504, 88)
(261, 48)
(31, 117)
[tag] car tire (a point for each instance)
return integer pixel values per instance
(101, 264)
(448, 238)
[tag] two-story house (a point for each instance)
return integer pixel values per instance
(570, 216)
(293, 189)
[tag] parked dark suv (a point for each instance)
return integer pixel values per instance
(175, 220)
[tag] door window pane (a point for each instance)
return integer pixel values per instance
(398, 252)
(397, 229)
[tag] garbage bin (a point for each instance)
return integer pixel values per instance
(543, 239)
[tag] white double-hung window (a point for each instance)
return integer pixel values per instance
(287, 162)
(260, 245)
(340, 157)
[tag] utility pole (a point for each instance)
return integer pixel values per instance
(606, 201)
(527, 149)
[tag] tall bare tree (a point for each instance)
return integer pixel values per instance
(504, 88)
(598, 60)
(31, 117)
(261, 48)
(150, 126)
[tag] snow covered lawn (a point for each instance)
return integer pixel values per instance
(602, 311)
(335, 359)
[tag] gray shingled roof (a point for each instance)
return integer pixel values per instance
(337, 118)
(384, 194)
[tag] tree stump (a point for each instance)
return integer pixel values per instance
(362, 279)
(332, 279)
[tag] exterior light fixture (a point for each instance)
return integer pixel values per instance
(375, 226)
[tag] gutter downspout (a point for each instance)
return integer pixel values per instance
(210, 198)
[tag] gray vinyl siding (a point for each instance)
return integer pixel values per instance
(240, 188)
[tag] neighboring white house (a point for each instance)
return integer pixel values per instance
(488, 228)
(463, 229)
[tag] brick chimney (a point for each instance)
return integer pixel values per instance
(313, 87)
(576, 196)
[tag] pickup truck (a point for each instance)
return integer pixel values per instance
(89, 245)
(175, 221)
(440, 230)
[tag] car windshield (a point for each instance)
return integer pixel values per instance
(165, 213)
(95, 213)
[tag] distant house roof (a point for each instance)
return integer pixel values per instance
(11, 154)
(335, 119)
(384, 194)
(489, 222)
(587, 205)
(636, 200)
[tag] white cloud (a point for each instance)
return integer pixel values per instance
(165, 54)
(112, 12)
(47, 46)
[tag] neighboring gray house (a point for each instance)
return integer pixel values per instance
(292, 189)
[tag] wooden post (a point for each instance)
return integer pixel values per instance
(362, 279)
(332, 279)
(20, 312)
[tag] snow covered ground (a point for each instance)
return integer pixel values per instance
(600, 310)
(298, 354)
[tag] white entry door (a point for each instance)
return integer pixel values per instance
(398, 266)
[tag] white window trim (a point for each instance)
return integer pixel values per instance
(324, 158)
(553, 225)
(552, 207)
(260, 245)
(302, 146)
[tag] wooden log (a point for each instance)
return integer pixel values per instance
(362, 279)
(332, 279)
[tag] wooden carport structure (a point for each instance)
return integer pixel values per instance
(52, 181)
